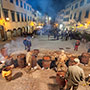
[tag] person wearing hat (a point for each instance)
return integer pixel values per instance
(74, 75)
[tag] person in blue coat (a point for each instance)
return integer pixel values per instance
(25, 43)
(28, 44)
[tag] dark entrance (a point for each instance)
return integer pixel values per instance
(1, 32)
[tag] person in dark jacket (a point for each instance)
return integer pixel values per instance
(28, 44)
(25, 43)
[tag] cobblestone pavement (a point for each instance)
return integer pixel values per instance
(42, 42)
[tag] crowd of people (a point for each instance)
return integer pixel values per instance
(64, 34)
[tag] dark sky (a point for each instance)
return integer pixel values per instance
(50, 7)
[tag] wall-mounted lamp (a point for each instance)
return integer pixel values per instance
(7, 19)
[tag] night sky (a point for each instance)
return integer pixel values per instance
(50, 7)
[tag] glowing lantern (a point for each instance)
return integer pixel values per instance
(32, 23)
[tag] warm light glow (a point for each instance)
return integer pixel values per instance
(32, 23)
(80, 25)
(86, 25)
(55, 25)
(7, 19)
(40, 24)
(88, 22)
(2, 22)
(61, 26)
(50, 18)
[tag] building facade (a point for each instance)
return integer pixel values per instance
(16, 14)
(77, 14)
(60, 17)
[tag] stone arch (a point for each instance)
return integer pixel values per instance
(14, 32)
(23, 29)
(19, 31)
(9, 34)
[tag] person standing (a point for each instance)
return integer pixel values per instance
(25, 43)
(28, 44)
(74, 75)
(70, 35)
(76, 45)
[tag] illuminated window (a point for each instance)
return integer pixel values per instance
(88, 1)
(11, 1)
(24, 6)
(5, 12)
(76, 6)
(13, 16)
(87, 14)
(80, 14)
(18, 17)
(74, 16)
(71, 16)
(21, 4)
(22, 17)
(82, 3)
